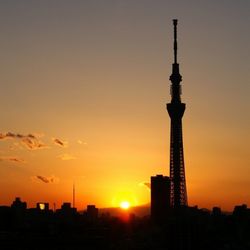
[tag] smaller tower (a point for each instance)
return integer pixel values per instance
(73, 195)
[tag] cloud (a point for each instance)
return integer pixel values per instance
(33, 144)
(30, 141)
(48, 180)
(145, 184)
(60, 143)
(82, 143)
(66, 157)
(12, 159)
(10, 135)
(43, 179)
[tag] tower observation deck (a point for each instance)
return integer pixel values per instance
(178, 191)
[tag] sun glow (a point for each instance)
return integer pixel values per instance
(125, 205)
(124, 199)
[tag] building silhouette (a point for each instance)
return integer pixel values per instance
(92, 212)
(178, 191)
(66, 209)
(19, 205)
(160, 197)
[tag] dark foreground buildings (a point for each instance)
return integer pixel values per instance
(40, 228)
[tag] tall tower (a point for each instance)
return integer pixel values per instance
(178, 191)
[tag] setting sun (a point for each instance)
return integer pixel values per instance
(125, 205)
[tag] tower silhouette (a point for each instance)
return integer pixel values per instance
(178, 191)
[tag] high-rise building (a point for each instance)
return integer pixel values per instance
(160, 196)
(178, 193)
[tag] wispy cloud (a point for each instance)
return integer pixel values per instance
(66, 157)
(12, 159)
(45, 179)
(30, 141)
(60, 143)
(33, 144)
(82, 143)
(10, 135)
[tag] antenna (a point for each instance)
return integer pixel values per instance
(175, 21)
(73, 194)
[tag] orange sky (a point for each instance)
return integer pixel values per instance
(83, 94)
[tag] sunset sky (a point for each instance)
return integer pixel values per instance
(83, 89)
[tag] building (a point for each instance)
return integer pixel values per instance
(160, 196)
(178, 193)
(92, 212)
(67, 209)
(19, 213)
(17, 204)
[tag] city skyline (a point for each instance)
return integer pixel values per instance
(83, 94)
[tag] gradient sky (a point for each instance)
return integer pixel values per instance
(83, 88)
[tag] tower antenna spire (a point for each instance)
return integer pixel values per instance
(175, 21)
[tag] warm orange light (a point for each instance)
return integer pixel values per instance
(124, 198)
(41, 206)
(125, 205)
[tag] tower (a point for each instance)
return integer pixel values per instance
(178, 192)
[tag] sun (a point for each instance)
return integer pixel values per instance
(125, 205)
